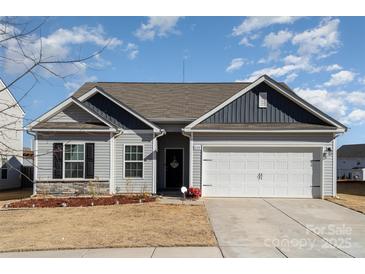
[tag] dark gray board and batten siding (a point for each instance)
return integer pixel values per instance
(114, 113)
(280, 109)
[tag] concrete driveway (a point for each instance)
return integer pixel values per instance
(286, 228)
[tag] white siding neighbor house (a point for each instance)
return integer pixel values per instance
(11, 139)
(255, 139)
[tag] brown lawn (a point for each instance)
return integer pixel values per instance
(351, 195)
(133, 225)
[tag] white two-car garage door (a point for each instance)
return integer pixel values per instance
(261, 172)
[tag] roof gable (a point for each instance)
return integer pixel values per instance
(114, 113)
(294, 99)
(280, 109)
(71, 114)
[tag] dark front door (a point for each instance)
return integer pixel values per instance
(174, 167)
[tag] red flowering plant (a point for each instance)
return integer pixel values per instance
(194, 192)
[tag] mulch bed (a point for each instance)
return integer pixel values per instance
(80, 201)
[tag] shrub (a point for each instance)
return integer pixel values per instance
(194, 192)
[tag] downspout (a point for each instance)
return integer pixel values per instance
(35, 159)
(334, 165)
(155, 149)
(190, 136)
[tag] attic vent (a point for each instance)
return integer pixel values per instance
(262, 99)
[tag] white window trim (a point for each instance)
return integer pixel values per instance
(74, 161)
(124, 162)
(263, 99)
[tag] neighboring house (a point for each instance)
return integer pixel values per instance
(11, 139)
(254, 139)
(349, 157)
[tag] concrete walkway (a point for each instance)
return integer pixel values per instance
(300, 228)
(143, 252)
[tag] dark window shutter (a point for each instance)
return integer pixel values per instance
(4, 172)
(57, 160)
(89, 160)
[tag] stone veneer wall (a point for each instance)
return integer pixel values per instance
(73, 188)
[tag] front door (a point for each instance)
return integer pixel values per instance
(174, 167)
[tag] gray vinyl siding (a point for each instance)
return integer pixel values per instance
(133, 185)
(197, 164)
(45, 148)
(280, 109)
(73, 114)
(328, 178)
(315, 140)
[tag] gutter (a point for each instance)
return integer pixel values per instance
(190, 136)
(261, 131)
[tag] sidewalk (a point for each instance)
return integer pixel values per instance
(143, 252)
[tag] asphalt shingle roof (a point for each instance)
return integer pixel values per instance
(167, 100)
(351, 151)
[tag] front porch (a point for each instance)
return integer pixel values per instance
(172, 163)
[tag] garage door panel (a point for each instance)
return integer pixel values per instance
(267, 164)
(252, 164)
(286, 172)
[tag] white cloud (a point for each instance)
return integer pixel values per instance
(80, 35)
(291, 77)
(57, 46)
(131, 50)
(276, 40)
(255, 23)
(292, 65)
(249, 27)
(362, 80)
(333, 67)
(246, 42)
(319, 40)
(324, 100)
(357, 116)
(342, 105)
(73, 84)
(354, 97)
(340, 78)
(159, 26)
(235, 64)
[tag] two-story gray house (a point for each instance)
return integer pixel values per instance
(254, 139)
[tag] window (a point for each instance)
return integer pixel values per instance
(262, 99)
(74, 161)
(133, 161)
(4, 167)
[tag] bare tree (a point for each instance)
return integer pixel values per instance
(21, 44)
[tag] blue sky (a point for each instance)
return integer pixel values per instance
(321, 58)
